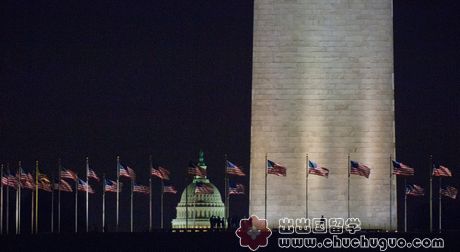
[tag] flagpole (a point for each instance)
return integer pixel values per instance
(132, 189)
(103, 203)
(118, 191)
(227, 200)
(16, 204)
(19, 203)
(348, 199)
(36, 196)
(306, 187)
(150, 204)
(87, 194)
(186, 203)
(431, 193)
(162, 203)
(32, 212)
(440, 204)
(52, 204)
(266, 173)
(59, 196)
(391, 196)
(20, 196)
(76, 204)
(150, 190)
(8, 202)
(1, 201)
(405, 206)
(18, 200)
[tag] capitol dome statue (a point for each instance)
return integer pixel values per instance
(197, 207)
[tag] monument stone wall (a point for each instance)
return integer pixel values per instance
(323, 85)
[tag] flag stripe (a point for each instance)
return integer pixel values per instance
(442, 171)
(232, 169)
(92, 174)
(202, 188)
(111, 186)
(83, 186)
(314, 169)
(141, 189)
(234, 189)
(69, 174)
(402, 169)
(359, 169)
(169, 189)
(414, 190)
(275, 169)
(449, 191)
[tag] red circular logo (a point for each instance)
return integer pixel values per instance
(253, 232)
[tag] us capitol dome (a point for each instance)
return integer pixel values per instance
(200, 207)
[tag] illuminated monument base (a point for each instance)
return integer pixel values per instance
(322, 85)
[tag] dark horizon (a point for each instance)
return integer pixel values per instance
(171, 78)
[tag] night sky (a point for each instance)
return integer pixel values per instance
(169, 78)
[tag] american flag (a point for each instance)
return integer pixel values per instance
(156, 172)
(164, 172)
(68, 174)
(18, 181)
(169, 189)
(276, 169)
(12, 181)
(196, 170)
(414, 190)
(235, 188)
(28, 184)
(131, 172)
(5, 181)
(234, 170)
(359, 169)
(43, 178)
(64, 186)
(22, 175)
(83, 186)
(402, 169)
(141, 189)
(161, 173)
(449, 191)
(126, 172)
(202, 188)
(111, 186)
(313, 168)
(30, 177)
(92, 174)
(43, 185)
(442, 171)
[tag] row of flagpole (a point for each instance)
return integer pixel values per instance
(231, 188)
(43, 183)
(356, 168)
(416, 190)
(271, 168)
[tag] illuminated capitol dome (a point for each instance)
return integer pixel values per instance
(200, 206)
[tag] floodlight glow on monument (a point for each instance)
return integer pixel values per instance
(323, 86)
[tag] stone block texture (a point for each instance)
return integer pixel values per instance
(322, 85)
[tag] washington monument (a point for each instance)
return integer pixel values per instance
(322, 86)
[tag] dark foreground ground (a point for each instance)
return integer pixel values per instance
(187, 241)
